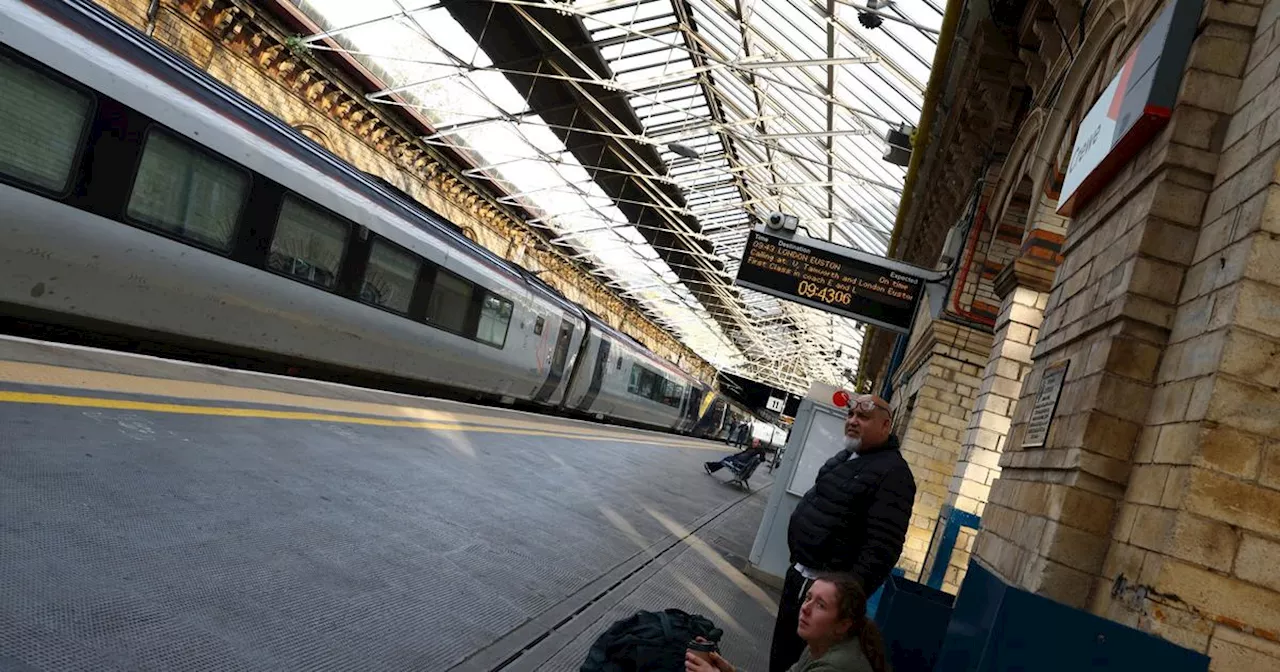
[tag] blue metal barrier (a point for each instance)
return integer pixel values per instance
(873, 602)
(996, 627)
(950, 520)
(913, 619)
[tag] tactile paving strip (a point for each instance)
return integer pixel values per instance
(139, 541)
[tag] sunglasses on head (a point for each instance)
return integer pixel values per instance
(865, 406)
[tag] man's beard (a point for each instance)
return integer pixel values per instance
(853, 443)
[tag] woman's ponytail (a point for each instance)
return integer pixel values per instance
(873, 645)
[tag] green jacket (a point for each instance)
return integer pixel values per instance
(846, 656)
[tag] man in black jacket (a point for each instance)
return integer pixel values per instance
(853, 520)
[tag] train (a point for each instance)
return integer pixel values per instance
(140, 197)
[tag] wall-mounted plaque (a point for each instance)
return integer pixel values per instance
(1045, 404)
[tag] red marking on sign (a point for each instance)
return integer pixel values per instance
(1116, 103)
(840, 398)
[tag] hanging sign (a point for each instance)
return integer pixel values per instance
(1133, 108)
(836, 279)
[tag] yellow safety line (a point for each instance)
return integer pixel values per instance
(90, 381)
(226, 411)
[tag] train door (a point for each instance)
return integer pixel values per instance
(709, 415)
(597, 376)
(693, 407)
(558, 358)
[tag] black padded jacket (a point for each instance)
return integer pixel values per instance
(855, 517)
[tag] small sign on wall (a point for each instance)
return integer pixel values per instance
(1045, 404)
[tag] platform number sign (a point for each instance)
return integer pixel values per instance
(775, 404)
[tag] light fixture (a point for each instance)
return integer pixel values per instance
(870, 20)
(683, 150)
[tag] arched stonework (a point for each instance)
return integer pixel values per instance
(1109, 23)
(315, 134)
(1016, 165)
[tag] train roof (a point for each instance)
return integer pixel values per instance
(550, 293)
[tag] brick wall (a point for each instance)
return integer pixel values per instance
(1198, 534)
(937, 386)
(989, 247)
(1018, 325)
(978, 465)
(996, 247)
(1153, 502)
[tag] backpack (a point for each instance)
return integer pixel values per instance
(648, 642)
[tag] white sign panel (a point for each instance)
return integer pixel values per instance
(825, 438)
(1093, 142)
(1138, 102)
(775, 404)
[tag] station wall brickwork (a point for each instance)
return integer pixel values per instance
(1155, 500)
(995, 244)
(1156, 497)
(1200, 519)
(238, 44)
(940, 380)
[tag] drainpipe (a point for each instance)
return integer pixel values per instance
(153, 10)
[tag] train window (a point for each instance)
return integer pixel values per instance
(42, 124)
(633, 385)
(537, 326)
(672, 393)
(390, 277)
(495, 315)
(186, 192)
(308, 244)
(646, 383)
(450, 299)
(650, 385)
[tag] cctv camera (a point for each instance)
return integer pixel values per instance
(780, 220)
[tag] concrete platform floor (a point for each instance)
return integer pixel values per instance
(162, 515)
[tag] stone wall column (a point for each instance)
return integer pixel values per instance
(1195, 549)
(1023, 288)
(937, 387)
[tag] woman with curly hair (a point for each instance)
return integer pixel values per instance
(835, 628)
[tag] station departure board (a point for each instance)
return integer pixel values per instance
(804, 272)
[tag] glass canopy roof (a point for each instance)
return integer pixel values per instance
(754, 105)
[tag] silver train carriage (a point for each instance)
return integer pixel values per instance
(140, 196)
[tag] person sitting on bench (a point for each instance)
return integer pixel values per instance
(738, 461)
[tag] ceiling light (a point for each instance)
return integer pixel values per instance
(684, 150)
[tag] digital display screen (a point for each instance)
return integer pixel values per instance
(830, 281)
